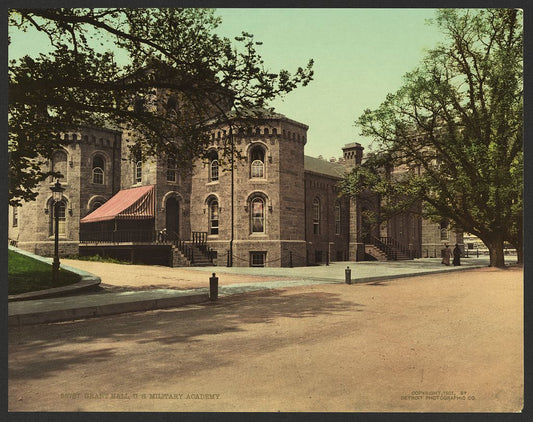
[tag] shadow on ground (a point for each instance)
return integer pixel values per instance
(182, 332)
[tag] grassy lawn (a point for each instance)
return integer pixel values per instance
(26, 274)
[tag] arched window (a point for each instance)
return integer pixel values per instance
(257, 215)
(96, 204)
(98, 170)
(316, 216)
(213, 165)
(444, 224)
(59, 163)
(265, 131)
(61, 212)
(213, 216)
(257, 159)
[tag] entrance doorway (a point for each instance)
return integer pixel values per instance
(172, 216)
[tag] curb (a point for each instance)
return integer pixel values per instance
(422, 273)
(69, 314)
(87, 281)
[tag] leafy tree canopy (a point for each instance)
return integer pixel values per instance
(177, 74)
(455, 127)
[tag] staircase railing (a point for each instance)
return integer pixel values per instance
(386, 248)
(187, 247)
(400, 247)
(392, 248)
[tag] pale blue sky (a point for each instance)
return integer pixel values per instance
(360, 55)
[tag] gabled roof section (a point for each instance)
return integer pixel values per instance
(319, 166)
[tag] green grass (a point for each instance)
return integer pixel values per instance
(26, 274)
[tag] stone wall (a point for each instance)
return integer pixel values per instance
(281, 187)
(328, 244)
(34, 229)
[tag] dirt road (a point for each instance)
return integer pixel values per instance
(116, 277)
(446, 342)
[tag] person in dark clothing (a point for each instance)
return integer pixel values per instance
(456, 255)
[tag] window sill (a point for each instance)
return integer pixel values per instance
(258, 179)
(213, 182)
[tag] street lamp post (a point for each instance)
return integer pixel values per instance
(57, 196)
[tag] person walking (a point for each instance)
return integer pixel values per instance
(446, 255)
(456, 255)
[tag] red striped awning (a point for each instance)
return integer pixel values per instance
(128, 204)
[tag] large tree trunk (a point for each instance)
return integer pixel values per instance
(495, 245)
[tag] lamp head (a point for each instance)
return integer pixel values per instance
(57, 191)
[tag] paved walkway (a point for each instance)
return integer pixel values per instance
(109, 301)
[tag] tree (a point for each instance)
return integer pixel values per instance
(157, 73)
(457, 124)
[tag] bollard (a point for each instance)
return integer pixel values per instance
(348, 275)
(213, 287)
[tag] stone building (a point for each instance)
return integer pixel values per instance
(273, 207)
(91, 168)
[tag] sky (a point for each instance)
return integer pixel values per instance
(360, 55)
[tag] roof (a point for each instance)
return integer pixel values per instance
(319, 166)
(258, 114)
(128, 204)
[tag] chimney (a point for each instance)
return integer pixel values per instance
(353, 153)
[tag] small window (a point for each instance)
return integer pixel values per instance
(172, 170)
(257, 158)
(59, 163)
(257, 215)
(444, 229)
(337, 219)
(316, 216)
(213, 165)
(213, 216)
(138, 172)
(257, 259)
(265, 131)
(98, 170)
(15, 221)
(214, 170)
(274, 131)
